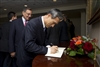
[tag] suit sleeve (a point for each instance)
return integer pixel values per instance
(30, 40)
(11, 38)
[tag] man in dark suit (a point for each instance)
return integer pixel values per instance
(4, 41)
(16, 29)
(34, 40)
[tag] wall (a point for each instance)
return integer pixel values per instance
(2, 20)
(94, 28)
(95, 33)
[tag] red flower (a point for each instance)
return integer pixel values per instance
(72, 45)
(87, 46)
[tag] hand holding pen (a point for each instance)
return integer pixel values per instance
(54, 48)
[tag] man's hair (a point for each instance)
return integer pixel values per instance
(26, 8)
(56, 13)
(11, 14)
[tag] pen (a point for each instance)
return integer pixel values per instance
(51, 44)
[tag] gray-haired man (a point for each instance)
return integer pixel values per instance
(34, 41)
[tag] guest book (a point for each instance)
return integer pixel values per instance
(58, 54)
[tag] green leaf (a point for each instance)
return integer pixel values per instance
(91, 55)
(68, 49)
(80, 51)
(72, 53)
(98, 52)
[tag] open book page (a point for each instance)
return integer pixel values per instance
(58, 54)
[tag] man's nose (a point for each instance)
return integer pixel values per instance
(30, 15)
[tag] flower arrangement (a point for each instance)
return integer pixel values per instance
(82, 45)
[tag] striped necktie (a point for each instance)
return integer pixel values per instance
(25, 23)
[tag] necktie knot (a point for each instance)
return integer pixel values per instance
(25, 23)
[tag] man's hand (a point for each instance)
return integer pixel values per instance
(54, 49)
(12, 54)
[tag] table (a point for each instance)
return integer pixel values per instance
(64, 61)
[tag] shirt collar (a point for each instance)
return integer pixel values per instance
(23, 20)
(43, 22)
(10, 20)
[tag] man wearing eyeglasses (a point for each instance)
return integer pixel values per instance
(16, 29)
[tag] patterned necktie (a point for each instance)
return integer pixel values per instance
(25, 23)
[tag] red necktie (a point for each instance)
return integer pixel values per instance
(25, 23)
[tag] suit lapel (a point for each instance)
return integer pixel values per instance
(21, 23)
(42, 29)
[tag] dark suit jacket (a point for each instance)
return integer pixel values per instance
(15, 34)
(72, 30)
(53, 34)
(4, 41)
(64, 32)
(32, 43)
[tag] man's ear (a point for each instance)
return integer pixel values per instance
(49, 15)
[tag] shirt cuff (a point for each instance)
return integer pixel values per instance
(49, 50)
